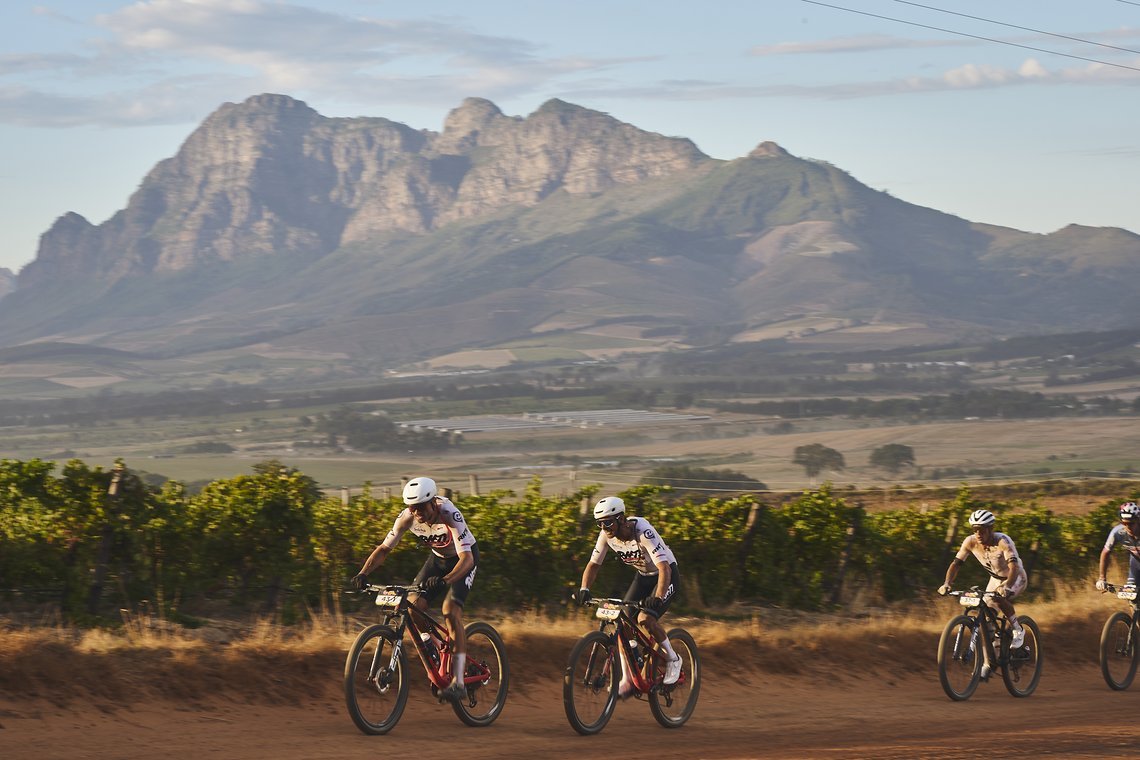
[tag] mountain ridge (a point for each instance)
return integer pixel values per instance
(275, 228)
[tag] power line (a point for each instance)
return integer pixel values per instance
(1022, 28)
(972, 36)
(1129, 2)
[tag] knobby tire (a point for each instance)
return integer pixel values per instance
(590, 686)
(673, 705)
(375, 704)
(1118, 651)
(482, 703)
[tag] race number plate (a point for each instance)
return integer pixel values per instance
(970, 600)
(1128, 592)
(387, 600)
(608, 611)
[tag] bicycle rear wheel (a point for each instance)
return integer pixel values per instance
(960, 658)
(486, 657)
(1022, 669)
(1118, 651)
(674, 704)
(375, 685)
(590, 686)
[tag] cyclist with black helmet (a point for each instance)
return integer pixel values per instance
(998, 555)
(638, 545)
(1126, 534)
(449, 569)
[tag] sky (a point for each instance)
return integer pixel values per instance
(1021, 113)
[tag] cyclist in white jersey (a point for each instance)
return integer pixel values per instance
(999, 557)
(1126, 534)
(449, 569)
(638, 545)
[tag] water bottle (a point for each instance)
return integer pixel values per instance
(635, 651)
(432, 649)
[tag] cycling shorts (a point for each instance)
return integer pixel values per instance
(437, 567)
(645, 586)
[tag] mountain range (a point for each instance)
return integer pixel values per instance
(275, 229)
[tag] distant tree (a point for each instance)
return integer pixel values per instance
(893, 457)
(815, 458)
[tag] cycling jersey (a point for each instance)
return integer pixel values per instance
(996, 559)
(447, 537)
(642, 553)
(1119, 535)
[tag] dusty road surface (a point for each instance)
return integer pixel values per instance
(849, 715)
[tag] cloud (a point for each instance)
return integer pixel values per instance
(190, 54)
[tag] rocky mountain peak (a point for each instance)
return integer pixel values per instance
(768, 149)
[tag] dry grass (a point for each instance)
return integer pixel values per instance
(262, 662)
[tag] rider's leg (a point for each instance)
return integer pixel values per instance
(453, 614)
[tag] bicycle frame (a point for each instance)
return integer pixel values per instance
(403, 615)
(988, 622)
(643, 676)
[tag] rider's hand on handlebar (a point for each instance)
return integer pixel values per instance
(1101, 586)
(944, 589)
(431, 584)
(359, 581)
(654, 603)
(582, 596)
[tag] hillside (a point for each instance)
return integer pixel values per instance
(275, 229)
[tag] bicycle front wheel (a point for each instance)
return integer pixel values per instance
(484, 698)
(1022, 669)
(375, 682)
(1118, 651)
(960, 658)
(672, 705)
(590, 686)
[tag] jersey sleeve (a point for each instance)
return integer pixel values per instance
(652, 543)
(1009, 551)
(461, 535)
(600, 549)
(966, 550)
(399, 528)
(1111, 540)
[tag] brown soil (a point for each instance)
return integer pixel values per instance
(843, 691)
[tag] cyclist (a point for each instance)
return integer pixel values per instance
(1126, 534)
(637, 544)
(999, 557)
(449, 569)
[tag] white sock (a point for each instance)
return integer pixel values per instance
(460, 663)
(669, 648)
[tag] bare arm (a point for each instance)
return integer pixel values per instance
(589, 575)
(952, 571)
(1104, 563)
(664, 578)
(375, 559)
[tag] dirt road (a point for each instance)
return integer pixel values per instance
(854, 715)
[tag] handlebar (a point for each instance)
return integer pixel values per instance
(975, 591)
(1116, 589)
(595, 601)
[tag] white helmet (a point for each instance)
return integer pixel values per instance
(609, 507)
(419, 490)
(1129, 511)
(981, 517)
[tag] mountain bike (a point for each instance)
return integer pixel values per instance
(590, 686)
(967, 653)
(1119, 653)
(376, 669)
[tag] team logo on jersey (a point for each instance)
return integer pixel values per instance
(648, 534)
(630, 556)
(435, 540)
(457, 517)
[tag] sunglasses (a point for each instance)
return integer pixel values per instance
(608, 523)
